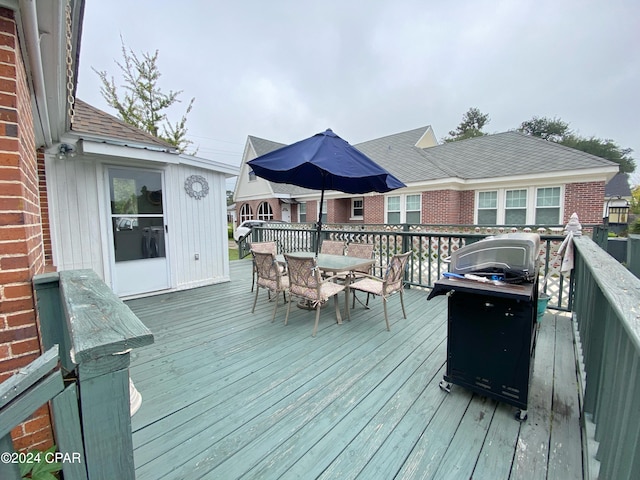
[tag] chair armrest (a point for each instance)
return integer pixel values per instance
(373, 277)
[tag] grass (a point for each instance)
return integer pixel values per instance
(233, 254)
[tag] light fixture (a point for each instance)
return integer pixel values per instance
(65, 151)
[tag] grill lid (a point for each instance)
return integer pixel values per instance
(514, 256)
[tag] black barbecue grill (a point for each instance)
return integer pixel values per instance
(492, 294)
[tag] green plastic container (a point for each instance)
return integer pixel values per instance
(543, 300)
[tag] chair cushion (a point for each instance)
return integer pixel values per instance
(368, 285)
(273, 284)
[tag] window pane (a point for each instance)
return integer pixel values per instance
(547, 216)
(302, 212)
(265, 212)
(413, 217)
(393, 217)
(487, 217)
(515, 216)
(548, 197)
(357, 208)
(487, 199)
(516, 199)
(413, 202)
(393, 204)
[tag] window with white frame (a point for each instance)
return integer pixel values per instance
(404, 209)
(519, 206)
(302, 212)
(488, 208)
(394, 213)
(246, 213)
(515, 207)
(357, 208)
(548, 206)
(412, 209)
(324, 211)
(265, 212)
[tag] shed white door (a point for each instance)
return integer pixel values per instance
(139, 246)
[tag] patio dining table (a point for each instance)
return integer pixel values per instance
(334, 264)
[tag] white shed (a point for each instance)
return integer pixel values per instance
(126, 205)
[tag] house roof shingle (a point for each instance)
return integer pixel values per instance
(490, 156)
(90, 120)
(618, 185)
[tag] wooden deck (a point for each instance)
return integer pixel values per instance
(227, 394)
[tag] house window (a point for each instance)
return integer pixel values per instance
(393, 210)
(324, 211)
(404, 209)
(515, 208)
(246, 213)
(252, 176)
(302, 212)
(548, 206)
(412, 209)
(357, 208)
(488, 208)
(265, 212)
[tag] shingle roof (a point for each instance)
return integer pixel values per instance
(90, 120)
(489, 156)
(618, 185)
(506, 154)
(398, 154)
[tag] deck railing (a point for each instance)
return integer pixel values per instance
(607, 314)
(95, 332)
(431, 246)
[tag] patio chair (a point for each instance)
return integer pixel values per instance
(306, 283)
(391, 282)
(270, 277)
(262, 247)
(332, 247)
(361, 250)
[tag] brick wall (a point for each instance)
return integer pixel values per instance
(374, 209)
(586, 199)
(441, 207)
(21, 244)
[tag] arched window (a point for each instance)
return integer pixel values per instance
(246, 213)
(265, 212)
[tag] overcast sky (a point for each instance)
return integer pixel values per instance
(286, 69)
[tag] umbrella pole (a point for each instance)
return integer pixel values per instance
(319, 226)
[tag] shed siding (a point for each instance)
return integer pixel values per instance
(197, 227)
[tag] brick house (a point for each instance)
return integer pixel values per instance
(501, 179)
(33, 115)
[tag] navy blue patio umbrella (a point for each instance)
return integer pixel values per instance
(324, 162)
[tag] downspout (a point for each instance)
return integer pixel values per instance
(32, 36)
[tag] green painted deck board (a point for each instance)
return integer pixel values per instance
(227, 394)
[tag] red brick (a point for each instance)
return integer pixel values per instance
(18, 291)
(21, 319)
(14, 263)
(38, 439)
(14, 364)
(26, 346)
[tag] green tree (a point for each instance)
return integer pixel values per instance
(471, 126)
(635, 199)
(605, 149)
(141, 102)
(555, 130)
(552, 129)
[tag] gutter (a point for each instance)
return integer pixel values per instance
(32, 36)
